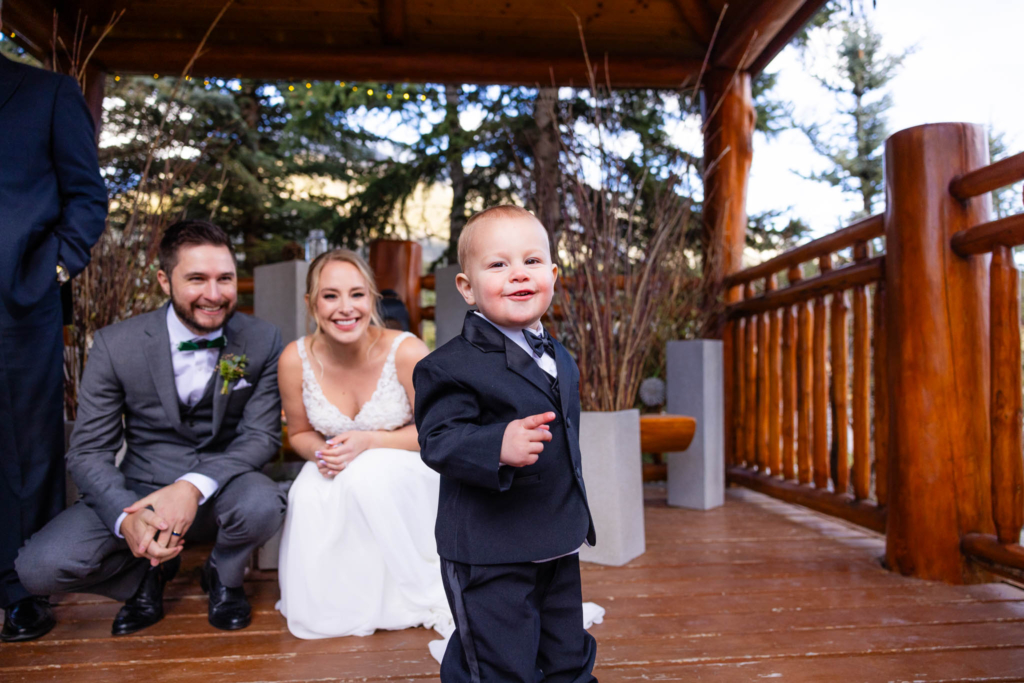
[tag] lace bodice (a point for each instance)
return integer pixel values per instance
(388, 408)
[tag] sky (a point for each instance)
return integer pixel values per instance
(967, 66)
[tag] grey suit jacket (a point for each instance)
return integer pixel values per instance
(128, 394)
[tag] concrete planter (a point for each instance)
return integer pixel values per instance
(696, 477)
(613, 472)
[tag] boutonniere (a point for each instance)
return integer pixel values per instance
(231, 367)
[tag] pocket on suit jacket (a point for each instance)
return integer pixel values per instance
(527, 480)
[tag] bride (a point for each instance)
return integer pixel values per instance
(358, 550)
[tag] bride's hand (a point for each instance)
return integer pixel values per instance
(341, 450)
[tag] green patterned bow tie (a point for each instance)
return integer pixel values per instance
(200, 344)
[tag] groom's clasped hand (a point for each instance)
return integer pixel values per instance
(156, 524)
(524, 440)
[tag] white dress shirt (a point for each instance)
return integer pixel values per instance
(192, 372)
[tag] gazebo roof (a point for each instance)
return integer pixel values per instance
(647, 43)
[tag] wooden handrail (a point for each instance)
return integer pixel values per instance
(832, 281)
(1006, 232)
(428, 281)
(861, 231)
(861, 512)
(995, 555)
(993, 177)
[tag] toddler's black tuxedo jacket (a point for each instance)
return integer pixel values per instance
(467, 392)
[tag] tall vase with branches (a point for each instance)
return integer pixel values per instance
(120, 280)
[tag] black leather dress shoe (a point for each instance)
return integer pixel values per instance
(27, 619)
(146, 607)
(229, 608)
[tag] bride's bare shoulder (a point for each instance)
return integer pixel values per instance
(410, 352)
(290, 362)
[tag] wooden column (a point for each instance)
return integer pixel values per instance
(937, 327)
(728, 110)
(397, 265)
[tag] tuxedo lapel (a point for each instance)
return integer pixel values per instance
(489, 339)
(563, 363)
(519, 362)
(10, 78)
(158, 351)
(236, 347)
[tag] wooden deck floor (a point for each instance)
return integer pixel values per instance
(755, 590)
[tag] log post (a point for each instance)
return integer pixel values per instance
(728, 110)
(937, 326)
(398, 265)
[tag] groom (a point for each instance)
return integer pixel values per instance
(198, 425)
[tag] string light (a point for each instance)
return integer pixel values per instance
(370, 91)
(355, 89)
(343, 84)
(389, 96)
(156, 75)
(291, 88)
(423, 97)
(206, 82)
(308, 86)
(406, 95)
(117, 78)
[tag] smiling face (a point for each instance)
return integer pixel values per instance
(508, 274)
(203, 286)
(344, 304)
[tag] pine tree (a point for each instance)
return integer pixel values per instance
(854, 141)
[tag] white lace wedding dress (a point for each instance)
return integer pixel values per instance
(358, 551)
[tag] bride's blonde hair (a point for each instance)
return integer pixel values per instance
(341, 256)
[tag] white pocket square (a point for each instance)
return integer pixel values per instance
(242, 384)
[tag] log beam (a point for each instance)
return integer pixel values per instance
(698, 17)
(745, 35)
(390, 65)
(938, 355)
(392, 21)
(728, 109)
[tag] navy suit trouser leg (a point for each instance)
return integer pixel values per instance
(518, 622)
(31, 431)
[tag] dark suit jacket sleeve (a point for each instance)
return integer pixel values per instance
(81, 188)
(452, 442)
(97, 437)
(259, 431)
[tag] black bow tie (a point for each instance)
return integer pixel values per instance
(540, 345)
(200, 344)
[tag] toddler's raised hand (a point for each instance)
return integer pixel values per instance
(524, 439)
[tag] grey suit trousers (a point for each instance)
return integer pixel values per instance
(77, 553)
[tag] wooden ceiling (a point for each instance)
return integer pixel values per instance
(647, 43)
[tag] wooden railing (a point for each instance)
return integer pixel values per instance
(1000, 552)
(787, 416)
(934, 411)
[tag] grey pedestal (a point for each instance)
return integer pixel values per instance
(279, 297)
(613, 473)
(696, 477)
(451, 308)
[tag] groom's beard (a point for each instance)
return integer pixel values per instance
(186, 314)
